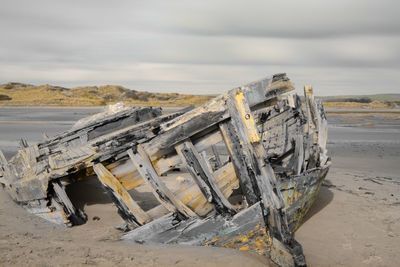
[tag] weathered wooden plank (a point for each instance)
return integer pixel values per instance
(271, 197)
(319, 122)
(240, 112)
(233, 145)
(135, 114)
(156, 227)
(160, 190)
(203, 185)
(218, 160)
(163, 165)
(243, 115)
(211, 113)
(70, 156)
(203, 177)
(299, 154)
(310, 107)
(312, 126)
(188, 124)
(226, 179)
(206, 141)
(132, 211)
(189, 193)
(113, 145)
(248, 134)
(126, 172)
(206, 160)
(73, 213)
(221, 230)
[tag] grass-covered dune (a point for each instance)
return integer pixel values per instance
(377, 101)
(19, 94)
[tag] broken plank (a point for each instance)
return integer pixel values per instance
(127, 205)
(232, 142)
(203, 177)
(73, 213)
(210, 114)
(271, 198)
(160, 190)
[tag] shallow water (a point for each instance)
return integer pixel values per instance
(349, 136)
(31, 123)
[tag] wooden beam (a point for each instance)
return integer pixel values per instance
(200, 172)
(213, 112)
(74, 215)
(130, 209)
(203, 185)
(319, 127)
(254, 153)
(130, 178)
(299, 154)
(160, 190)
(247, 183)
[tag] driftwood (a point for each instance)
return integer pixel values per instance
(241, 171)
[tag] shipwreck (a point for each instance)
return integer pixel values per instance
(240, 171)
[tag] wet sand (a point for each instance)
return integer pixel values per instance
(354, 222)
(356, 218)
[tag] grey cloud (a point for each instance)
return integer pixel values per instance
(287, 19)
(206, 46)
(358, 51)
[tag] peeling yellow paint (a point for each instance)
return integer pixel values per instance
(247, 117)
(244, 248)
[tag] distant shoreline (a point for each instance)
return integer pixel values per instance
(327, 110)
(55, 107)
(365, 111)
(82, 107)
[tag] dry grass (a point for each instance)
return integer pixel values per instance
(373, 105)
(47, 95)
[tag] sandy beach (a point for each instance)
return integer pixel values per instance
(355, 220)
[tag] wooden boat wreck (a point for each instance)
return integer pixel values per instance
(240, 171)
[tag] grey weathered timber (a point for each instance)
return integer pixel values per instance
(247, 182)
(76, 216)
(192, 232)
(211, 113)
(130, 210)
(217, 157)
(240, 171)
(160, 190)
(256, 160)
(203, 177)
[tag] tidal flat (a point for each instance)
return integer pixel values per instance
(355, 220)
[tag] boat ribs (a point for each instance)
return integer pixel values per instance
(240, 171)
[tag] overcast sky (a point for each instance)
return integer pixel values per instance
(341, 46)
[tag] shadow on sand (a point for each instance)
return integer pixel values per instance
(87, 192)
(324, 197)
(90, 192)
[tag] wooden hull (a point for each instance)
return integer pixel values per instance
(240, 171)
